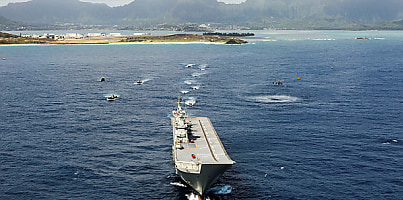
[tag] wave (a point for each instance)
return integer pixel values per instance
(269, 40)
(221, 189)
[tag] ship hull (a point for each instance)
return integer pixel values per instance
(208, 175)
(199, 156)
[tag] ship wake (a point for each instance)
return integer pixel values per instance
(273, 99)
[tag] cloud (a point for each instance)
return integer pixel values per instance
(112, 3)
(232, 1)
(5, 2)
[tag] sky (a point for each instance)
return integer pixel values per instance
(112, 3)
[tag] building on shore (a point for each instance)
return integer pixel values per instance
(73, 36)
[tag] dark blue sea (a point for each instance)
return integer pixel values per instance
(332, 130)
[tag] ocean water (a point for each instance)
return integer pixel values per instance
(332, 130)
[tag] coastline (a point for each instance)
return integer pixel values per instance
(149, 39)
(109, 43)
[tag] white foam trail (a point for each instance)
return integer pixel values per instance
(193, 196)
(190, 101)
(203, 67)
(196, 74)
(188, 82)
(274, 99)
(142, 81)
(177, 184)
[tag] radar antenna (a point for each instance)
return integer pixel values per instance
(179, 102)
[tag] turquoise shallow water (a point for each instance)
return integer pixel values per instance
(334, 134)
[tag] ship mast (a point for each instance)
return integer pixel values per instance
(179, 102)
(180, 124)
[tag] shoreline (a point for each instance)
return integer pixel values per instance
(148, 39)
(108, 43)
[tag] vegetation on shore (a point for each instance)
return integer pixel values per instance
(6, 38)
(182, 38)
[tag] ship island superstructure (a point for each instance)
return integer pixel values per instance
(199, 156)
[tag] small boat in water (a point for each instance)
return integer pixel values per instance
(139, 82)
(102, 79)
(190, 103)
(112, 97)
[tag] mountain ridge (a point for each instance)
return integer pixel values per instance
(262, 13)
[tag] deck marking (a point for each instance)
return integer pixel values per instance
(208, 144)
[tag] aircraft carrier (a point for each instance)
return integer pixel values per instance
(199, 156)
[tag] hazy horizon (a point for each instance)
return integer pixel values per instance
(112, 3)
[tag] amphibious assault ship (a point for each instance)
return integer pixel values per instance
(199, 156)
